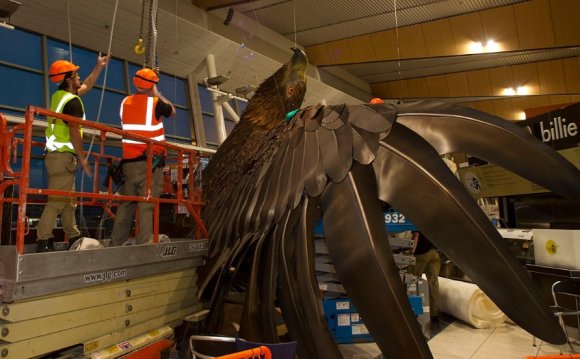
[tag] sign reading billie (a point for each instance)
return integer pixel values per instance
(559, 129)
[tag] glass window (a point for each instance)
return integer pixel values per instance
(25, 88)
(178, 126)
(229, 126)
(209, 127)
(174, 89)
(109, 110)
(27, 53)
(241, 106)
(132, 69)
(205, 99)
(115, 75)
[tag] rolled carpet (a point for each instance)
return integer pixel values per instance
(467, 302)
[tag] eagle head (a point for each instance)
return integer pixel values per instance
(279, 94)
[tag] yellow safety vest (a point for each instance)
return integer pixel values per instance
(57, 132)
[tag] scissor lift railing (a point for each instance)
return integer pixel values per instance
(93, 299)
(178, 156)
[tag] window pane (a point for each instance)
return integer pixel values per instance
(229, 126)
(173, 89)
(28, 51)
(205, 99)
(109, 110)
(209, 127)
(115, 75)
(132, 69)
(178, 126)
(241, 106)
(25, 88)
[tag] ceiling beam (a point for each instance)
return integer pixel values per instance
(209, 5)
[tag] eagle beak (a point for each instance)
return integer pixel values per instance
(298, 62)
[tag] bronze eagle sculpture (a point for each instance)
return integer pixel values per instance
(278, 172)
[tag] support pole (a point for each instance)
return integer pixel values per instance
(220, 126)
(231, 112)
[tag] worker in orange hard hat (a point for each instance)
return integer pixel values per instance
(145, 78)
(64, 149)
(376, 100)
(137, 117)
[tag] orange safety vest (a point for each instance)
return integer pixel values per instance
(138, 117)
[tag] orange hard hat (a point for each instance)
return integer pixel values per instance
(376, 100)
(145, 78)
(59, 69)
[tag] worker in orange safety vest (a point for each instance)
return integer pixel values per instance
(141, 114)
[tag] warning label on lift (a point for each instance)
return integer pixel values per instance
(105, 276)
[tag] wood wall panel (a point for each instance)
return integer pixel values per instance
(543, 78)
(418, 87)
(558, 99)
(572, 74)
(466, 30)
(361, 48)
(499, 24)
(485, 106)
(458, 85)
(385, 45)
(501, 78)
(551, 77)
(439, 38)
(401, 88)
(527, 75)
(317, 54)
(534, 24)
(530, 24)
(412, 42)
(384, 89)
(565, 14)
(539, 101)
(437, 86)
(503, 108)
(339, 52)
(519, 104)
(479, 83)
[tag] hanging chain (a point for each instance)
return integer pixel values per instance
(149, 34)
(142, 17)
(155, 64)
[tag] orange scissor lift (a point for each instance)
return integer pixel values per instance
(103, 302)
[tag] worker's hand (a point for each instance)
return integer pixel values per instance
(102, 60)
(156, 70)
(85, 166)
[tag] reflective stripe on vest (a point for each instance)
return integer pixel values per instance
(57, 132)
(137, 114)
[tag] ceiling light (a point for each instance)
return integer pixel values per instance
(216, 80)
(244, 90)
(509, 91)
(491, 46)
(522, 90)
(475, 47)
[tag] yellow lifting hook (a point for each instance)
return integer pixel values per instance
(139, 49)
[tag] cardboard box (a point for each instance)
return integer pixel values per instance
(558, 248)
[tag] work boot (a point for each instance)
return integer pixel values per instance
(73, 240)
(44, 245)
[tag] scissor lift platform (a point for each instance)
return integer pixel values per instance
(94, 298)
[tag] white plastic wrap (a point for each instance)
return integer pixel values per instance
(467, 302)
